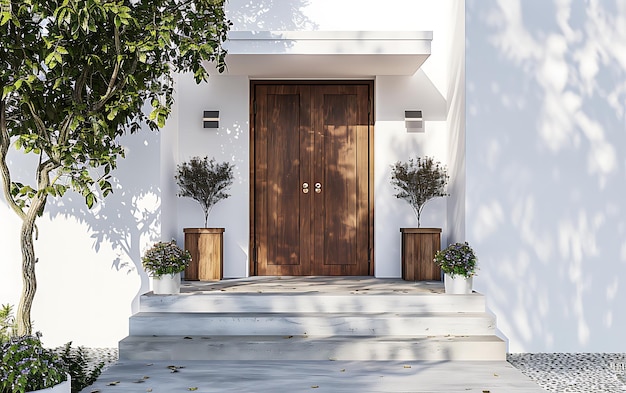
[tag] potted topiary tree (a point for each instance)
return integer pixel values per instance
(418, 181)
(205, 181)
(458, 263)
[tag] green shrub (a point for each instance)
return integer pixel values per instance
(165, 258)
(8, 326)
(26, 366)
(457, 259)
(79, 367)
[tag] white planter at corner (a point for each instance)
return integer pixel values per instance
(457, 285)
(168, 284)
(63, 387)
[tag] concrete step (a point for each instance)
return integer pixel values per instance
(316, 324)
(269, 348)
(302, 302)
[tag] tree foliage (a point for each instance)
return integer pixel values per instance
(75, 76)
(205, 181)
(418, 181)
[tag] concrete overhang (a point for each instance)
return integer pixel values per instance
(325, 54)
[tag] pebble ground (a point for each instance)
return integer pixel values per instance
(554, 372)
(574, 372)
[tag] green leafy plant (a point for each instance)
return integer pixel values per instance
(457, 259)
(75, 76)
(165, 258)
(205, 181)
(419, 181)
(8, 327)
(79, 367)
(25, 365)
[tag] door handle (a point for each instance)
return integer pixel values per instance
(318, 188)
(305, 188)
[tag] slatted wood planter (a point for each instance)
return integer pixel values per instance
(419, 246)
(206, 246)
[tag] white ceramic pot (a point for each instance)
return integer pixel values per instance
(457, 285)
(168, 284)
(63, 387)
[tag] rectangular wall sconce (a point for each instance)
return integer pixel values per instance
(211, 119)
(413, 121)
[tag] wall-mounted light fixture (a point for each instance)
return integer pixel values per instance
(211, 119)
(413, 121)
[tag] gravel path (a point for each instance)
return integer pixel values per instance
(555, 372)
(574, 372)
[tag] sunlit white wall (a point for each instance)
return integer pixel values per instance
(546, 169)
(89, 272)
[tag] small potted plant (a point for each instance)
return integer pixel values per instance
(27, 367)
(458, 263)
(205, 181)
(419, 181)
(164, 262)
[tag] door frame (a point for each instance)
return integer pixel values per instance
(252, 249)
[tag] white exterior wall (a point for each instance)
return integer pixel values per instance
(90, 272)
(546, 170)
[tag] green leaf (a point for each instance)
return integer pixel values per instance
(90, 199)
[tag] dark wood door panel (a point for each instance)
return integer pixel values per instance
(314, 134)
(282, 128)
(341, 217)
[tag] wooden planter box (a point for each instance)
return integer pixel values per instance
(419, 246)
(206, 246)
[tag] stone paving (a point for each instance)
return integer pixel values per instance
(554, 372)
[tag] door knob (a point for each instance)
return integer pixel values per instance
(305, 188)
(318, 187)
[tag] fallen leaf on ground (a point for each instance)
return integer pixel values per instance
(193, 388)
(315, 386)
(407, 366)
(113, 383)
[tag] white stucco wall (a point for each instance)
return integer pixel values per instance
(231, 143)
(546, 170)
(89, 271)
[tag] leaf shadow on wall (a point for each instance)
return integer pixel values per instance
(127, 220)
(545, 211)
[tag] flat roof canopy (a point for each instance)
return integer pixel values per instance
(325, 54)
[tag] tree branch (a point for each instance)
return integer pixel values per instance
(5, 141)
(112, 88)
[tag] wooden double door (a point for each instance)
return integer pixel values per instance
(311, 203)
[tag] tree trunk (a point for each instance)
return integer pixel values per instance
(29, 280)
